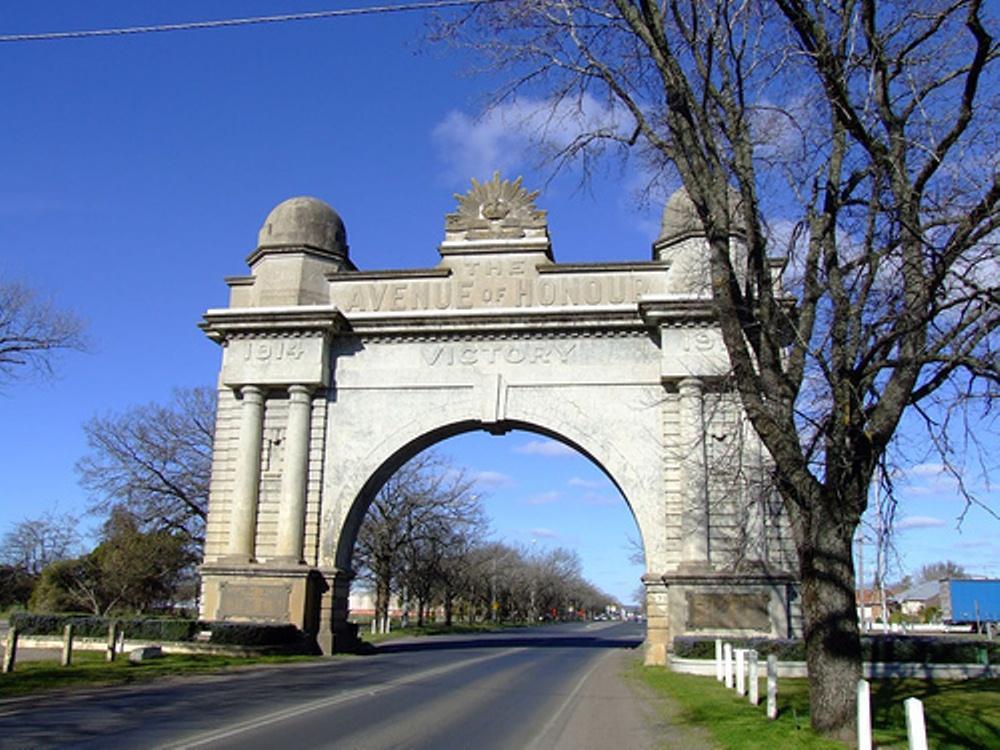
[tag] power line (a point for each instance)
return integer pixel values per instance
(250, 21)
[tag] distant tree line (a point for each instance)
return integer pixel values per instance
(423, 542)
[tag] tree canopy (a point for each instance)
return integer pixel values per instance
(33, 332)
(857, 139)
(155, 461)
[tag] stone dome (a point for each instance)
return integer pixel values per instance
(304, 222)
(680, 218)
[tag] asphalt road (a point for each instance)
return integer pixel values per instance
(553, 687)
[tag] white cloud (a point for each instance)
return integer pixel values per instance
(544, 448)
(543, 498)
(926, 470)
(919, 522)
(588, 484)
(596, 498)
(492, 478)
(544, 533)
(505, 136)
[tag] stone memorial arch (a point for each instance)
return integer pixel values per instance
(333, 377)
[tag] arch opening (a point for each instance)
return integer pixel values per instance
(547, 499)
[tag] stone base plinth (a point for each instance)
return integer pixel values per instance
(263, 592)
(699, 600)
(702, 601)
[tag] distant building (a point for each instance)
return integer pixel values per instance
(914, 600)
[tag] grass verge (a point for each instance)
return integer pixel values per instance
(958, 713)
(732, 721)
(91, 670)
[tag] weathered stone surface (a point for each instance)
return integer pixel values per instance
(139, 655)
(729, 611)
(350, 373)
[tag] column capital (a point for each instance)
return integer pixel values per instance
(691, 385)
(300, 392)
(253, 393)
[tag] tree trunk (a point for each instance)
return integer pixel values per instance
(382, 594)
(832, 640)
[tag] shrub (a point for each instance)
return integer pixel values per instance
(152, 629)
(703, 647)
(919, 649)
(252, 634)
(30, 623)
(92, 626)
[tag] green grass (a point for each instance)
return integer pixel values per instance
(90, 670)
(732, 722)
(958, 713)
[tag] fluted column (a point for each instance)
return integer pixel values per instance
(294, 475)
(694, 523)
(243, 515)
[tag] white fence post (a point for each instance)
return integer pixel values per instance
(109, 652)
(727, 656)
(718, 659)
(741, 671)
(10, 654)
(67, 649)
(864, 716)
(916, 733)
(772, 686)
(754, 678)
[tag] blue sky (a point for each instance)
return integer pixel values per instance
(135, 172)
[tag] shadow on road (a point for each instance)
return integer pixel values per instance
(438, 643)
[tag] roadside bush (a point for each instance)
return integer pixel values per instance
(919, 649)
(703, 647)
(928, 650)
(151, 629)
(31, 623)
(92, 626)
(252, 634)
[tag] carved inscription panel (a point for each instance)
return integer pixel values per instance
(519, 360)
(494, 283)
(730, 611)
(287, 359)
(239, 601)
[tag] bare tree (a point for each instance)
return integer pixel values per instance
(937, 571)
(34, 543)
(416, 514)
(33, 332)
(155, 461)
(869, 128)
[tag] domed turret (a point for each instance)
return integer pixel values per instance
(307, 223)
(681, 221)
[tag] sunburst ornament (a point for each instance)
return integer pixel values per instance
(497, 209)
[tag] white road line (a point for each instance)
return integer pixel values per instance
(570, 699)
(290, 713)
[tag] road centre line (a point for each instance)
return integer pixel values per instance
(291, 713)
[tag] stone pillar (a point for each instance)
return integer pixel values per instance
(243, 516)
(694, 520)
(657, 621)
(294, 475)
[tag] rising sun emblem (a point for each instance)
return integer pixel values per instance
(496, 209)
